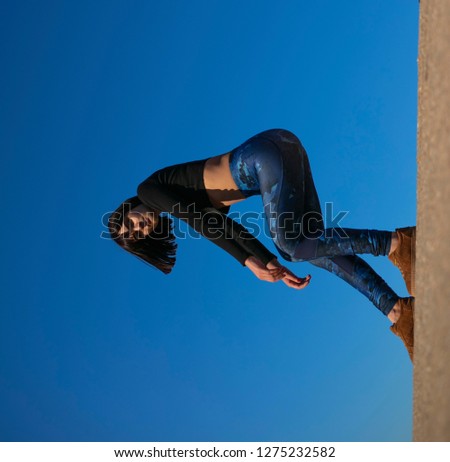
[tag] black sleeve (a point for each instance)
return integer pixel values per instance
(210, 222)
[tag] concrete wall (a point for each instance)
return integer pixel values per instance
(432, 316)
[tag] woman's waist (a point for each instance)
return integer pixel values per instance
(219, 181)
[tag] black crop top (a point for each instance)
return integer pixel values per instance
(180, 190)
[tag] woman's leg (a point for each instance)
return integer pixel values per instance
(294, 216)
(360, 275)
(292, 206)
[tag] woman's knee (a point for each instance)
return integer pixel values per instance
(281, 135)
(288, 136)
(290, 143)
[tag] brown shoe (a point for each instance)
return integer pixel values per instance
(404, 327)
(404, 257)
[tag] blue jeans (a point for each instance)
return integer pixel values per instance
(275, 165)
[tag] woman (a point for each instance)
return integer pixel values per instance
(275, 165)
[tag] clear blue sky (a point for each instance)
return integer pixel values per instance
(97, 346)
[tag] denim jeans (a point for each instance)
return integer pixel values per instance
(275, 165)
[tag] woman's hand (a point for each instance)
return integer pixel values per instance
(264, 273)
(289, 278)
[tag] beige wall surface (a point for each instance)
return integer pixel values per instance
(432, 315)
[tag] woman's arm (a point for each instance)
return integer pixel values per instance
(237, 232)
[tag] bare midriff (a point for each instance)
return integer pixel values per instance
(219, 184)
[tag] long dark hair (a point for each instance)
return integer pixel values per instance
(157, 248)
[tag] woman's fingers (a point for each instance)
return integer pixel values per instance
(288, 277)
(275, 274)
(297, 283)
(293, 277)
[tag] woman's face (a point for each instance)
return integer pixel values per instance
(139, 221)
